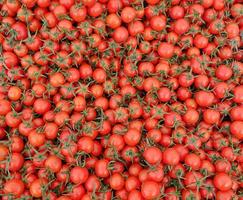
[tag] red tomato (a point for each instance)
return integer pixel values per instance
(150, 189)
(222, 182)
(15, 187)
(152, 155)
(79, 175)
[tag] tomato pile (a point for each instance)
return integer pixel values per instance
(121, 99)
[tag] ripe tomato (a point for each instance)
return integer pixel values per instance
(171, 156)
(236, 129)
(127, 99)
(36, 187)
(152, 155)
(53, 163)
(222, 182)
(116, 181)
(15, 187)
(132, 137)
(150, 190)
(79, 175)
(166, 50)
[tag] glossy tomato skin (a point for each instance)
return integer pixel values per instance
(236, 129)
(21, 30)
(226, 183)
(125, 99)
(54, 163)
(14, 186)
(148, 154)
(35, 187)
(150, 190)
(5, 106)
(171, 156)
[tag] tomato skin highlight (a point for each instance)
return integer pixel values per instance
(150, 190)
(166, 50)
(148, 154)
(21, 30)
(171, 156)
(226, 183)
(14, 186)
(236, 129)
(79, 175)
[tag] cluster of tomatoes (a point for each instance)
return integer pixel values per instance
(121, 99)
